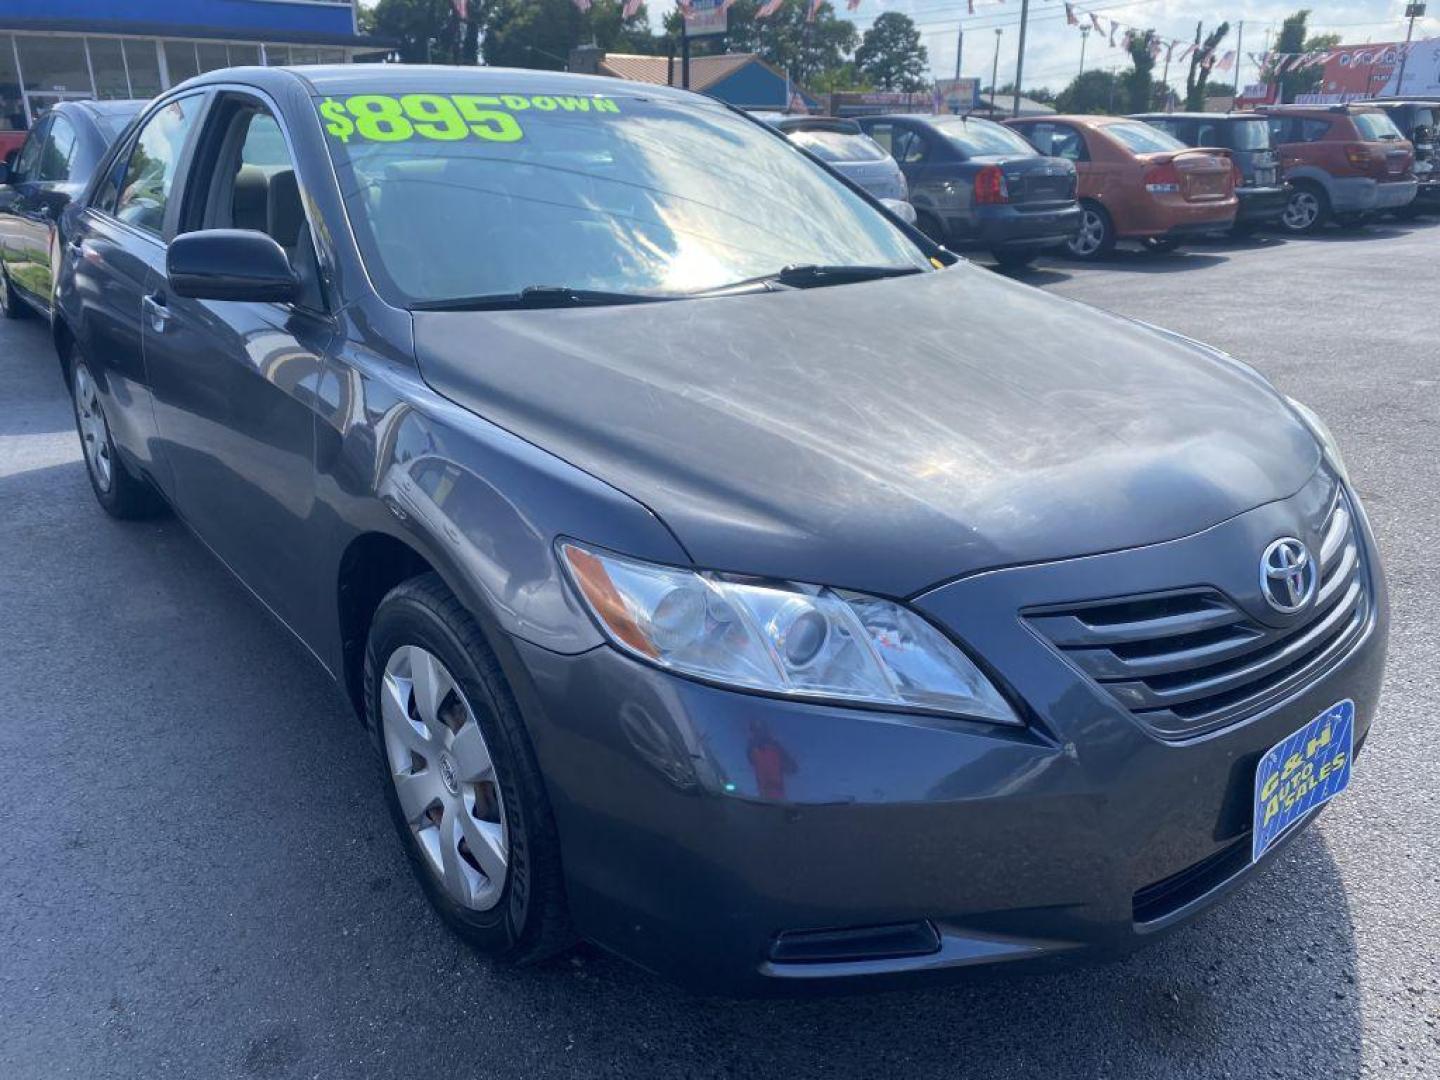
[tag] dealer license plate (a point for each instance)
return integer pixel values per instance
(1299, 773)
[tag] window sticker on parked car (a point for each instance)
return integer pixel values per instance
(445, 117)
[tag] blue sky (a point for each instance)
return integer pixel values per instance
(1052, 51)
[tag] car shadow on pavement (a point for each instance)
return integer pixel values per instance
(1263, 986)
(1139, 261)
(1375, 230)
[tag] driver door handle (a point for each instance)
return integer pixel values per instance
(156, 311)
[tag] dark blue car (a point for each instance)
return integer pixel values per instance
(975, 183)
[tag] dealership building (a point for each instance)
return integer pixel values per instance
(51, 50)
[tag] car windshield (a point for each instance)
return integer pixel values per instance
(981, 138)
(454, 196)
(1376, 125)
(1250, 135)
(839, 146)
(1142, 138)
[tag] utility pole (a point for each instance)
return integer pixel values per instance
(959, 49)
(1020, 55)
(994, 70)
(1084, 37)
(1412, 12)
(1165, 78)
(1239, 59)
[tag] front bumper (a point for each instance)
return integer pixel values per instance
(698, 824)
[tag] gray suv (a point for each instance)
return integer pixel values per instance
(1262, 192)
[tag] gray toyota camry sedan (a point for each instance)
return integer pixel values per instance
(723, 572)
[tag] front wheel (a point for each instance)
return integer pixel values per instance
(462, 783)
(1306, 211)
(120, 492)
(1096, 237)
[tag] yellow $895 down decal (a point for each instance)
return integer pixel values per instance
(444, 117)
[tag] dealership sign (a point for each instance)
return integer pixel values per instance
(1362, 71)
(956, 95)
(706, 17)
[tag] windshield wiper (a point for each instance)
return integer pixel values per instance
(813, 275)
(538, 296)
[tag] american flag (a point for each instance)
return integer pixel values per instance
(770, 7)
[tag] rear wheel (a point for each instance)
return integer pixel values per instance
(1015, 258)
(1307, 211)
(1096, 237)
(10, 303)
(462, 783)
(120, 492)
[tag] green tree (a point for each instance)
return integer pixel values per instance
(421, 30)
(1202, 61)
(1294, 38)
(1043, 94)
(1139, 80)
(833, 80)
(1096, 91)
(891, 55)
(541, 33)
(803, 50)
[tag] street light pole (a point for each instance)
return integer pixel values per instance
(1412, 12)
(1084, 37)
(959, 49)
(1020, 55)
(994, 70)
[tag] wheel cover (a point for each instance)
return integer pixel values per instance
(1301, 211)
(444, 777)
(1091, 235)
(94, 433)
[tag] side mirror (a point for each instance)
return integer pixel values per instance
(230, 264)
(901, 209)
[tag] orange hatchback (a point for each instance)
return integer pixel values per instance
(1136, 182)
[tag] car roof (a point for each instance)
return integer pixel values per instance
(1334, 110)
(1084, 119)
(1245, 115)
(414, 78)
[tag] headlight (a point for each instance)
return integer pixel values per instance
(799, 641)
(1323, 436)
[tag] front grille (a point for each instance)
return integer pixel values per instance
(1190, 661)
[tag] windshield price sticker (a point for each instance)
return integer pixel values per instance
(445, 117)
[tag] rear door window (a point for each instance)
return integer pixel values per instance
(1249, 135)
(1057, 140)
(1313, 130)
(909, 147)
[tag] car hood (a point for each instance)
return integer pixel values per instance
(883, 436)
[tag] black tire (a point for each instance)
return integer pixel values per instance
(1160, 245)
(1096, 238)
(1307, 211)
(121, 493)
(529, 921)
(930, 225)
(11, 306)
(1015, 258)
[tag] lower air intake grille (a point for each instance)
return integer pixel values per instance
(1190, 661)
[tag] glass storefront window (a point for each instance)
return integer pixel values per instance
(212, 56)
(277, 55)
(244, 55)
(107, 61)
(54, 63)
(304, 56)
(12, 105)
(144, 64)
(332, 56)
(180, 61)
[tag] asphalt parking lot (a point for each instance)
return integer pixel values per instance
(197, 877)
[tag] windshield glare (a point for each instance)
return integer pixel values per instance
(1142, 138)
(839, 146)
(642, 196)
(981, 138)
